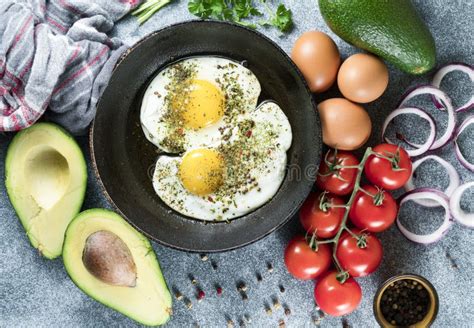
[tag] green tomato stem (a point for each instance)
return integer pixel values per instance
(343, 226)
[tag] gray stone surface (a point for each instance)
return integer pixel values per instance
(35, 292)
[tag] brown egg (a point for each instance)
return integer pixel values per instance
(317, 57)
(346, 126)
(362, 78)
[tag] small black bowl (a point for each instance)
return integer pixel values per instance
(123, 159)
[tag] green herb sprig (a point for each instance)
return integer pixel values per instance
(281, 19)
(148, 9)
(238, 10)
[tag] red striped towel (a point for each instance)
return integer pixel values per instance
(56, 55)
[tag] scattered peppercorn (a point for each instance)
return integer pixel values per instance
(247, 318)
(201, 295)
(241, 286)
(269, 267)
(268, 310)
(214, 265)
(188, 303)
(287, 311)
(316, 320)
(405, 302)
(259, 277)
(282, 289)
(276, 303)
(244, 295)
(178, 295)
(345, 323)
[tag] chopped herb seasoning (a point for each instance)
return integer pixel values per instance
(246, 152)
(405, 302)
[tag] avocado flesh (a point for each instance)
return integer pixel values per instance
(148, 301)
(46, 179)
(390, 29)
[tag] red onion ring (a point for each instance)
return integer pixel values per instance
(439, 76)
(454, 180)
(432, 194)
(446, 137)
(462, 217)
(421, 149)
(468, 121)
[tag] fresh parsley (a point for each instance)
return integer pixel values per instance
(282, 19)
(239, 10)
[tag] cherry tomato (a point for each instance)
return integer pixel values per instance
(359, 257)
(305, 263)
(365, 214)
(386, 174)
(324, 222)
(337, 181)
(337, 298)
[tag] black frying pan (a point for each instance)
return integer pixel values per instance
(123, 158)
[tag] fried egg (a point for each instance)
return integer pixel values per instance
(189, 102)
(233, 178)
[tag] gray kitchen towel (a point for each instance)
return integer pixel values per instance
(56, 55)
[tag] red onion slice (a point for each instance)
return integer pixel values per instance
(454, 180)
(468, 121)
(446, 137)
(432, 194)
(421, 149)
(439, 76)
(462, 217)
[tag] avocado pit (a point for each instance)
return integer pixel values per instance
(109, 259)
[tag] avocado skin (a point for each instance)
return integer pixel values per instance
(10, 166)
(85, 218)
(391, 29)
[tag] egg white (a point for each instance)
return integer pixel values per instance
(269, 174)
(209, 69)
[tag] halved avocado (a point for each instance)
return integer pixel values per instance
(46, 179)
(115, 264)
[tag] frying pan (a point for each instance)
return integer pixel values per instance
(123, 159)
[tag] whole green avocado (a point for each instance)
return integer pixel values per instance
(391, 29)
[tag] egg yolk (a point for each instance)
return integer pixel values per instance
(201, 171)
(203, 105)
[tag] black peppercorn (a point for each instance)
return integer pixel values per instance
(405, 302)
